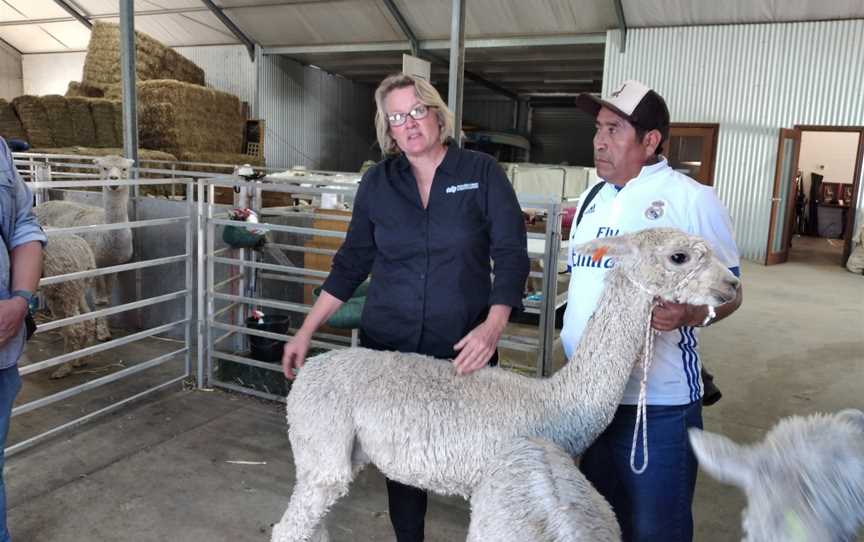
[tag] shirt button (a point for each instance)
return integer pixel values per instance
(422, 276)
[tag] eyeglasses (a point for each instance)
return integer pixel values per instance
(398, 119)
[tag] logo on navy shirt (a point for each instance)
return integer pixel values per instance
(655, 210)
(460, 187)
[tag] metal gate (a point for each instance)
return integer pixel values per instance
(146, 359)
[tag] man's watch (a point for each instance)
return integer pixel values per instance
(26, 294)
(709, 317)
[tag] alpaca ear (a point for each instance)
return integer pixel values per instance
(721, 458)
(607, 246)
(853, 416)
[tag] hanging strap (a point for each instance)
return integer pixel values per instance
(590, 196)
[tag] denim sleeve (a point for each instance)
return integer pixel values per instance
(26, 227)
(509, 245)
(353, 261)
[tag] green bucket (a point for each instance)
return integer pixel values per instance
(348, 315)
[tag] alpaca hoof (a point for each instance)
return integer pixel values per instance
(62, 372)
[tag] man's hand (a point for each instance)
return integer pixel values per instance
(669, 316)
(12, 312)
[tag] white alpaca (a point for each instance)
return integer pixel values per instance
(422, 424)
(533, 492)
(804, 482)
(111, 247)
(68, 254)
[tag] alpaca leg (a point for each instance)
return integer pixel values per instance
(302, 520)
(104, 291)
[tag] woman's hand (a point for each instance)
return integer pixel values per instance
(477, 347)
(294, 354)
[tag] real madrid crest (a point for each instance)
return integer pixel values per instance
(655, 210)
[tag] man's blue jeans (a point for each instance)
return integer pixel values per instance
(654, 505)
(10, 385)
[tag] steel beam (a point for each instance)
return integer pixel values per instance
(426, 45)
(457, 66)
(127, 72)
(403, 24)
(229, 24)
(74, 12)
(622, 24)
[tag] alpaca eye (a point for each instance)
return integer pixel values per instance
(679, 258)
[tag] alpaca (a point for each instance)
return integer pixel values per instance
(805, 481)
(68, 254)
(422, 424)
(110, 247)
(533, 492)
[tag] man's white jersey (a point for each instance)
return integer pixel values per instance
(658, 197)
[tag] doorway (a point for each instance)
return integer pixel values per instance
(815, 191)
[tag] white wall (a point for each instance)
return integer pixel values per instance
(752, 80)
(50, 73)
(11, 84)
(830, 154)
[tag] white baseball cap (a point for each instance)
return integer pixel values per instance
(634, 101)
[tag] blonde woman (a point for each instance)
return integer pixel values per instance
(427, 221)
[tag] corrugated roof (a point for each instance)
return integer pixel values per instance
(524, 46)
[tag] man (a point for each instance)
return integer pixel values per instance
(20, 269)
(642, 191)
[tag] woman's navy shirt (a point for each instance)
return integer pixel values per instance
(430, 268)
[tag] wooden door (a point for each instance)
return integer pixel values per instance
(782, 202)
(692, 149)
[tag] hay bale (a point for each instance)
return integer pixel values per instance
(81, 118)
(62, 130)
(179, 117)
(118, 121)
(103, 121)
(10, 126)
(152, 59)
(35, 120)
(76, 89)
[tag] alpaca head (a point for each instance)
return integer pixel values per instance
(669, 264)
(114, 168)
(805, 481)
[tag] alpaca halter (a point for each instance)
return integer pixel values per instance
(642, 402)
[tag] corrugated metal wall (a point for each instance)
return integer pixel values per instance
(11, 77)
(313, 119)
(752, 80)
(488, 113)
(561, 134)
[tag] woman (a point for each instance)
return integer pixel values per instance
(426, 222)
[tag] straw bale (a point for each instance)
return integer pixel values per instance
(77, 89)
(152, 59)
(82, 121)
(59, 121)
(10, 126)
(103, 121)
(118, 121)
(180, 117)
(35, 120)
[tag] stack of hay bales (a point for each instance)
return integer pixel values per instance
(57, 113)
(10, 125)
(81, 117)
(34, 119)
(104, 121)
(188, 120)
(152, 60)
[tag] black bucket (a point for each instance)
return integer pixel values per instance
(263, 348)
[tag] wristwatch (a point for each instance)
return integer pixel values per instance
(709, 317)
(26, 294)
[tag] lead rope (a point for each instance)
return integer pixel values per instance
(642, 402)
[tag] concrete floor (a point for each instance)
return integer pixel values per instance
(161, 470)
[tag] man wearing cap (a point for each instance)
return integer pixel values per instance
(639, 190)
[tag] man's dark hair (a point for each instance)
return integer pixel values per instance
(640, 136)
